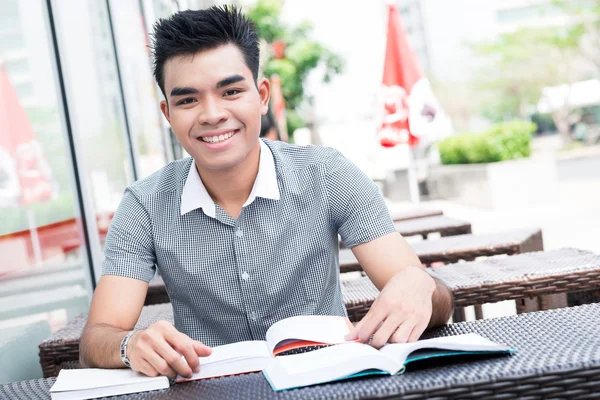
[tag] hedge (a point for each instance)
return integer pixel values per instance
(503, 141)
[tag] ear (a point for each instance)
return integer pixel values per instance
(264, 92)
(164, 107)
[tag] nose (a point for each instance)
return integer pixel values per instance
(212, 113)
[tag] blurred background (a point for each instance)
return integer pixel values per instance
(517, 94)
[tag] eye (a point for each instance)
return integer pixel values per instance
(185, 101)
(232, 92)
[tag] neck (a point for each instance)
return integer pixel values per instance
(231, 188)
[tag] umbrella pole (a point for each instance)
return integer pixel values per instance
(35, 240)
(413, 181)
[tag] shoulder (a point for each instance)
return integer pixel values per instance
(290, 157)
(169, 178)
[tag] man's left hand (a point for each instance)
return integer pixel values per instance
(401, 312)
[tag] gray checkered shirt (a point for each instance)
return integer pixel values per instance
(230, 279)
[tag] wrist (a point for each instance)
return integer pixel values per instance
(428, 280)
(124, 348)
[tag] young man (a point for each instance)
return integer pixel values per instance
(245, 232)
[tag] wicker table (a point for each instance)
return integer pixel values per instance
(416, 213)
(517, 277)
(463, 247)
(558, 355)
(423, 227)
(524, 276)
(441, 224)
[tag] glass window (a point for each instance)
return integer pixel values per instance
(141, 97)
(96, 110)
(43, 278)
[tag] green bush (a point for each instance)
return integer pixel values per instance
(503, 141)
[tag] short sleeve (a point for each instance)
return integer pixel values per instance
(129, 247)
(357, 208)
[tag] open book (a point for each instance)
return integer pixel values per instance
(298, 332)
(92, 383)
(356, 359)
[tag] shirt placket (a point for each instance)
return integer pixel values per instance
(242, 238)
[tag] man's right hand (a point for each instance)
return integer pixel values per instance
(158, 350)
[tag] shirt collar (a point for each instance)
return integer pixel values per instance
(195, 196)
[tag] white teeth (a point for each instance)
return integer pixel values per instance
(217, 139)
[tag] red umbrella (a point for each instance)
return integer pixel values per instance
(23, 159)
(17, 140)
(408, 102)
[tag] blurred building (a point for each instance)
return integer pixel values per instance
(441, 30)
(512, 15)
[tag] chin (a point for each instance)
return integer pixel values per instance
(218, 165)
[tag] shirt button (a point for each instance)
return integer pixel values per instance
(239, 233)
(245, 276)
(253, 316)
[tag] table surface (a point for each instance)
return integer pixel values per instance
(503, 278)
(460, 245)
(558, 353)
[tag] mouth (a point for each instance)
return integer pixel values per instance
(218, 138)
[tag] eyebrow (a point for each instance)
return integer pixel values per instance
(230, 80)
(183, 91)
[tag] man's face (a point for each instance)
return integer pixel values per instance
(214, 107)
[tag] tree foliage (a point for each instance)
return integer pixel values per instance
(302, 55)
(521, 63)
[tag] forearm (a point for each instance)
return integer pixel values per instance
(442, 304)
(100, 345)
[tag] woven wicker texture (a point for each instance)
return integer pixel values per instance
(415, 213)
(463, 247)
(61, 350)
(497, 279)
(558, 356)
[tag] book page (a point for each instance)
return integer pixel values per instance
(237, 351)
(327, 364)
(231, 359)
(466, 342)
(315, 328)
(93, 378)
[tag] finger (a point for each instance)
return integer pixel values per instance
(385, 331)
(353, 334)
(160, 365)
(371, 322)
(403, 331)
(417, 332)
(186, 347)
(172, 357)
(201, 349)
(145, 368)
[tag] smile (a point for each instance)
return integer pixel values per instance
(217, 139)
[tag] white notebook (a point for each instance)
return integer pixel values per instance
(91, 383)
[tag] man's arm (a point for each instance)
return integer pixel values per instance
(410, 299)
(116, 306)
(157, 350)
